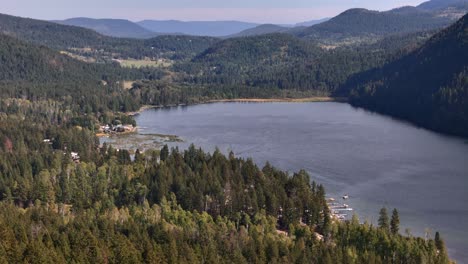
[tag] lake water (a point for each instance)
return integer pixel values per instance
(377, 160)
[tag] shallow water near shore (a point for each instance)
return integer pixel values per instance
(377, 160)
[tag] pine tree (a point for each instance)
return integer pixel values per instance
(395, 222)
(383, 219)
(164, 153)
(439, 243)
(139, 158)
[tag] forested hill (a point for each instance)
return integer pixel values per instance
(87, 42)
(258, 47)
(261, 30)
(180, 47)
(361, 24)
(29, 63)
(259, 61)
(49, 34)
(38, 73)
(428, 86)
(460, 5)
(110, 27)
(284, 62)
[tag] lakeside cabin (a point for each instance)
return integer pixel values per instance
(75, 157)
(110, 129)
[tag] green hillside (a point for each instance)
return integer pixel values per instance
(428, 86)
(355, 25)
(283, 62)
(38, 73)
(261, 30)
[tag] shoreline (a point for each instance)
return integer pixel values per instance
(142, 109)
(281, 100)
(317, 99)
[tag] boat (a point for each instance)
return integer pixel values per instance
(345, 197)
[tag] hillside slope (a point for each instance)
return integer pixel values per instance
(261, 30)
(283, 63)
(49, 34)
(26, 62)
(38, 73)
(428, 87)
(444, 4)
(361, 24)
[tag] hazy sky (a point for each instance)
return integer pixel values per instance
(263, 11)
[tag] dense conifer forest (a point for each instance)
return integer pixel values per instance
(284, 62)
(428, 86)
(171, 206)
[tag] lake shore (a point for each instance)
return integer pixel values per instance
(281, 100)
(249, 100)
(142, 109)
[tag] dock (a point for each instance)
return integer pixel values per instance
(338, 210)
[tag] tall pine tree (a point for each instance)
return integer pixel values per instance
(383, 219)
(395, 222)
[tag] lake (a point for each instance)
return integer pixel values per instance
(377, 160)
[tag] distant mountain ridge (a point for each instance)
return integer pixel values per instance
(261, 30)
(363, 23)
(196, 28)
(110, 27)
(220, 28)
(273, 28)
(359, 24)
(311, 22)
(444, 4)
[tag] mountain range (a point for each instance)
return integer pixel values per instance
(151, 28)
(350, 26)
(357, 24)
(196, 28)
(110, 27)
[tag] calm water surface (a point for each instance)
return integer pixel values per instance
(377, 160)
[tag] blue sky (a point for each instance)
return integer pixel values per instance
(262, 11)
